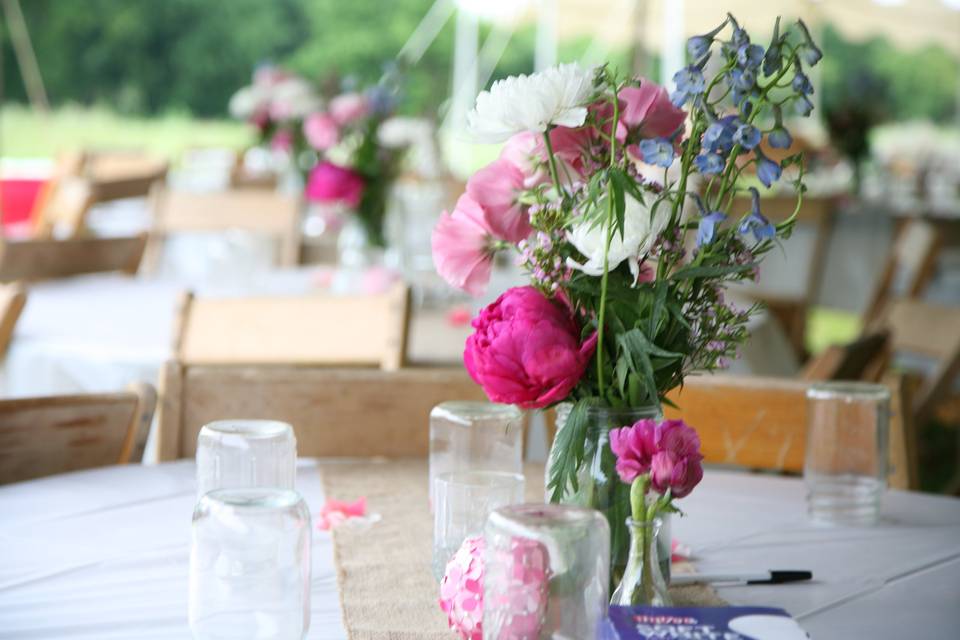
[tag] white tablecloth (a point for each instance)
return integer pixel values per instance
(104, 554)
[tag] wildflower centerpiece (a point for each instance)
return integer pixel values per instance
(616, 197)
(355, 168)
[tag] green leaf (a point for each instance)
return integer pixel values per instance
(567, 452)
(712, 272)
(637, 342)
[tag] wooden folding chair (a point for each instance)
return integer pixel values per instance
(56, 434)
(334, 412)
(46, 258)
(64, 208)
(865, 359)
(254, 211)
(791, 309)
(362, 330)
(932, 331)
(123, 174)
(909, 268)
(12, 300)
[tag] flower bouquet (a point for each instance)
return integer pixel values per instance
(616, 198)
(355, 168)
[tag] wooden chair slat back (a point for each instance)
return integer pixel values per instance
(334, 412)
(865, 359)
(44, 436)
(928, 329)
(366, 330)
(12, 300)
(64, 210)
(761, 423)
(47, 258)
(908, 271)
(123, 174)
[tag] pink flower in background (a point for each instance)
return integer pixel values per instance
(634, 447)
(526, 349)
(677, 465)
(495, 189)
(648, 110)
(461, 244)
(282, 141)
(321, 131)
(349, 107)
(329, 182)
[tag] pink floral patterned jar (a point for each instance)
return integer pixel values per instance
(546, 572)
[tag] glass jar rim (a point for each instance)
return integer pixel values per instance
(472, 478)
(474, 409)
(253, 498)
(849, 390)
(534, 517)
(644, 524)
(249, 428)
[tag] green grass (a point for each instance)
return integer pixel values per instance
(827, 327)
(25, 133)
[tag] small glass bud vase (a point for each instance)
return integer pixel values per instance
(546, 572)
(643, 582)
(474, 436)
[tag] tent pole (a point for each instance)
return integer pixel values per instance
(26, 58)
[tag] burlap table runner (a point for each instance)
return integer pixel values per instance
(387, 590)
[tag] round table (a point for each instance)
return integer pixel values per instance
(103, 554)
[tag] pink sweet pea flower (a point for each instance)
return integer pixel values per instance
(349, 107)
(321, 131)
(526, 349)
(647, 109)
(634, 447)
(329, 182)
(461, 244)
(495, 189)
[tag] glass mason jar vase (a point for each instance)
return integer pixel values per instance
(598, 485)
(643, 582)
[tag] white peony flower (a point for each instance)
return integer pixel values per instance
(293, 99)
(557, 96)
(247, 101)
(639, 234)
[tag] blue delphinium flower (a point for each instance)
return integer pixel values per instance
(689, 80)
(657, 151)
(779, 138)
(750, 56)
(803, 106)
(718, 138)
(801, 84)
(809, 51)
(709, 164)
(756, 223)
(698, 46)
(772, 61)
(768, 171)
(707, 228)
(747, 136)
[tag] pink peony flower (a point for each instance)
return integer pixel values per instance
(321, 131)
(526, 349)
(349, 107)
(677, 463)
(461, 244)
(495, 189)
(329, 182)
(634, 447)
(648, 111)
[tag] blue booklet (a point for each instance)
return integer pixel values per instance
(703, 623)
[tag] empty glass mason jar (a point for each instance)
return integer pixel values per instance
(547, 572)
(236, 454)
(475, 436)
(250, 565)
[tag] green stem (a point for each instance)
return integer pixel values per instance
(552, 161)
(601, 316)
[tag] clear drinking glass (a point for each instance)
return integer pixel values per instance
(464, 499)
(845, 469)
(475, 436)
(547, 572)
(250, 565)
(234, 454)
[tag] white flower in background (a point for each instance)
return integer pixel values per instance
(248, 101)
(639, 234)
(293, 98)
(557, 96)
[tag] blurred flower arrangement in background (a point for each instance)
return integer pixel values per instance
(335, 143)
(616, 198)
